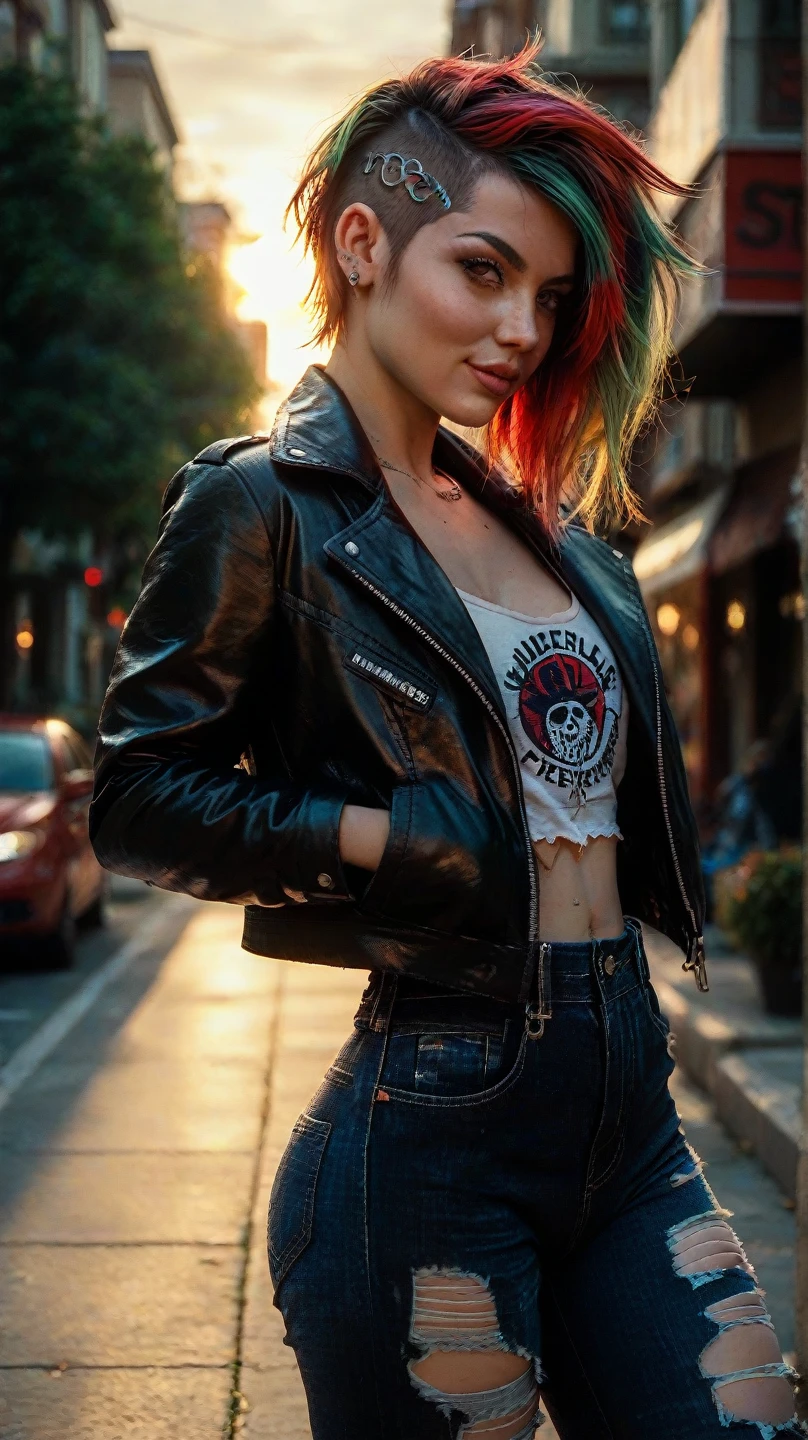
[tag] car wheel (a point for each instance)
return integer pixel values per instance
(59, 949)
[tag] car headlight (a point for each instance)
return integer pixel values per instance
(16, 844)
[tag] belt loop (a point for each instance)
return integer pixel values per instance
(540, 1007)
(385, 998)
(640, 958)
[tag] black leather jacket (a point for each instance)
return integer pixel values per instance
(295, 646)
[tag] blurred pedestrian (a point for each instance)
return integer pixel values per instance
(390, 693)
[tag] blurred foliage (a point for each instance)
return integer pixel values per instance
(115, 364)
(761, 907)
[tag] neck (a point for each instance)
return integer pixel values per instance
(400, 427)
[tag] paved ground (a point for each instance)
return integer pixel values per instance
(135, 1163)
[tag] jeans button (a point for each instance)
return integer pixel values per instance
(610, 964)
(325, 881)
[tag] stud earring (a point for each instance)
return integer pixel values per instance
(353, 278)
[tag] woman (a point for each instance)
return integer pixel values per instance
(383, 693)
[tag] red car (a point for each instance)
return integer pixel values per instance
(49, 876)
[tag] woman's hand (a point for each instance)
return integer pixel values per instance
(363, 835)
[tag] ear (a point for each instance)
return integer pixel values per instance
(358, 234)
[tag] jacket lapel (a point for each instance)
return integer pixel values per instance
(383, 552)
(317, 427)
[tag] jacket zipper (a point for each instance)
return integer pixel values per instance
(446, 654)
(695, 960)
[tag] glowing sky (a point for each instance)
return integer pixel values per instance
(248, 109)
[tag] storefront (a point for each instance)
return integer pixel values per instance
(671, 565)
(722, 586)
(755, 637)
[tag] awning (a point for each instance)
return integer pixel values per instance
(678, 550)
(755, 517)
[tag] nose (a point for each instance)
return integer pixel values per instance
(519, 328)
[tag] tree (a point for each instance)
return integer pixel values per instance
(116, 363)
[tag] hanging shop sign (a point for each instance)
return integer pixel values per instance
(763, 226)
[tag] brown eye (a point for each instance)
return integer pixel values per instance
(550, 300)
(484, 271)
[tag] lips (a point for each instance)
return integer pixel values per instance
(496, 379)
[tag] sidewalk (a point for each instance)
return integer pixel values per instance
(750, 1063)
(127, 1166)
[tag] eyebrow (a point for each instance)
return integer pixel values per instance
(512, 256)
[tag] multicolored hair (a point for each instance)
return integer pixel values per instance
(568, 432)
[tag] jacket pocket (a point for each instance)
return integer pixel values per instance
(378, 887)
(291, 1203)
(442, 868)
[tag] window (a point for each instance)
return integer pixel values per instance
(626, 21)
(8, 40)
(780, 95)
(25, 762)
(687, 10)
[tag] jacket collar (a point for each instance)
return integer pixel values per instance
(317, 426)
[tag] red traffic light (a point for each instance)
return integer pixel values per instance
(93, 576)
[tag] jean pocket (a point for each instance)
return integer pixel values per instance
(291, 1203)
(448, 1064)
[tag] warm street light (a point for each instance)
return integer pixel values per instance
(736, 615)
(25, 637)
(668, 617)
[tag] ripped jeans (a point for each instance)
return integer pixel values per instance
(466, 1189)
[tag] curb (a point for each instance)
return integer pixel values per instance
(736, 1065)
(766, 1113)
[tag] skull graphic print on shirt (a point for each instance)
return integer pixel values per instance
(566, 708)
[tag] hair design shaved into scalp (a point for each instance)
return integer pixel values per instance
(571, 427)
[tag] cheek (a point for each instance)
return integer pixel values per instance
(433, 314)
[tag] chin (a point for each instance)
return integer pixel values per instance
(470, 410)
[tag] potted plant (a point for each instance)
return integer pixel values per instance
(762, 910)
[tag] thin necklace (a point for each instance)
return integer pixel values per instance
(454, 493)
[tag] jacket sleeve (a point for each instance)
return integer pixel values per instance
(169, 806)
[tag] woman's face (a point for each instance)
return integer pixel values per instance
(473, 306)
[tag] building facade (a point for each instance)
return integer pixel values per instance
(720, 569)
(600, 45)
(49, 34)
(136, 104)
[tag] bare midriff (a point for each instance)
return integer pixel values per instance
(578, 896)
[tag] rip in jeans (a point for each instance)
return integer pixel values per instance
(456, 1329)
(743, 1362)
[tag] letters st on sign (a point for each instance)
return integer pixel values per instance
(763, 228)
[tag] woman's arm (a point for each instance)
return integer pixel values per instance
(169, 806)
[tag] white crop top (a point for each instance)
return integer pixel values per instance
(567, 712)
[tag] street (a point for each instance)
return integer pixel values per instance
(135, 1164)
